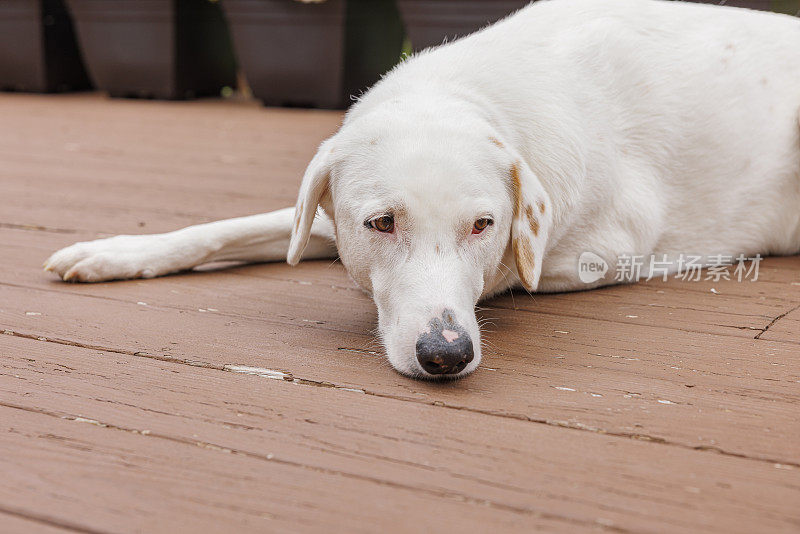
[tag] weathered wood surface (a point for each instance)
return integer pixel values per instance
(661, 406)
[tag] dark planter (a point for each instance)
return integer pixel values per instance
(373, 43)
(167, 49)
(38, 51)
(313, 55)
(430, 22)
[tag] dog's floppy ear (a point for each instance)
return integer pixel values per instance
(530, 227)
(314, 185)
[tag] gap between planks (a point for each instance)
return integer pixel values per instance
(43, 519)
(290, 378)
(37, 228)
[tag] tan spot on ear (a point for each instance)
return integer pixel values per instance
(496, 141)
(524, 258)
(532, 221)
(541, 206)
(516, 189)
(534, 224)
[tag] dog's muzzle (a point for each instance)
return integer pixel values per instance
(445, 348)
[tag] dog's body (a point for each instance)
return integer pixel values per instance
(621, 127)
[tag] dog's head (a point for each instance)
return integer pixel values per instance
(428, 218)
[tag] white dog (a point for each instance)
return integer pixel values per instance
(616, 127)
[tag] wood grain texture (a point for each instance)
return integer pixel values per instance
(660, 406)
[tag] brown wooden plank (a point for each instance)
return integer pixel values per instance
(143, 417)
(120, 481)
(172, 164)
(172, 202)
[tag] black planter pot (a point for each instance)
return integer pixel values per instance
(373, 43)
(38, 51)
(167, 49)
(430, 22)
(313, 55)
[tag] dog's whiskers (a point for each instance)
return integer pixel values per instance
(510, 290)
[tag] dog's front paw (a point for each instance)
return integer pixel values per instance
(114, 258)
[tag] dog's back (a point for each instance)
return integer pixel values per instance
(657, 126)
(653, 127)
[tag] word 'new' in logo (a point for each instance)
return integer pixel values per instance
(591, 267)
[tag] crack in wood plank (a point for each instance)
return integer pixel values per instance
(775, 320)
(737, 327)
(289, 377)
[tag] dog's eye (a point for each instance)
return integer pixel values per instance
(383, 224)
(481, 224)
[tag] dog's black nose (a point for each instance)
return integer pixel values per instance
(445, 349)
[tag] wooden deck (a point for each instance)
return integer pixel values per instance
(131, 406)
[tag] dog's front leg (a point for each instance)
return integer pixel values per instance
(256, 238)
